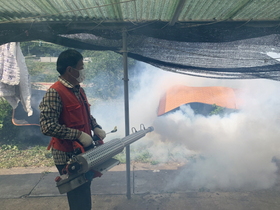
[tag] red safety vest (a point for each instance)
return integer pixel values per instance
(75, 114)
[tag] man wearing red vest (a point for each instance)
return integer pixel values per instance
(65, 116)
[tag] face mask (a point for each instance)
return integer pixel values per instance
(81, 76)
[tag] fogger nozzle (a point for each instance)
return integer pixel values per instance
(113, 131)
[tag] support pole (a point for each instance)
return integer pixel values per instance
(126, 111)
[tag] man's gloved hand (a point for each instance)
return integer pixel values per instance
(99, 132)
(85, 139)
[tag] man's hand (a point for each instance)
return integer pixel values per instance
(85, 139)
(100, 133)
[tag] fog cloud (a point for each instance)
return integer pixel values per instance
(230, 152)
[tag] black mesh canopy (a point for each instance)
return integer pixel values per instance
(225, 50)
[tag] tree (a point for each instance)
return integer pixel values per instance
(41, 49)
(104, 74)
(104, 71)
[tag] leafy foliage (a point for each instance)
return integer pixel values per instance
(33, 156)
(16, 148)
(41, 72)
(217, 110)
(5, 111)
(104, 74)
(221, 111)
(41, 49)
(8, 131)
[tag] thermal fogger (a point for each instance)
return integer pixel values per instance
(92, 163)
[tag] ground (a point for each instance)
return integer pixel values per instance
(32, 188)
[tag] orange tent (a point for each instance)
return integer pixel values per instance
(179, 95)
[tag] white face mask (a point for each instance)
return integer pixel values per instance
(81, 76)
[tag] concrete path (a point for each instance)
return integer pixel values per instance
(34, 188)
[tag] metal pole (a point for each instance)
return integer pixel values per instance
(126, 111)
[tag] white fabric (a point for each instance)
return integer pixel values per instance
(24, 84)
(9, 69)
(14, 78)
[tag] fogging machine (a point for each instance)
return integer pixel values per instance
(93, 163)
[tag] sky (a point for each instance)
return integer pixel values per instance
(234, 152)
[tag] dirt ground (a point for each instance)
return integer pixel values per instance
(191, 201)
(194, 200)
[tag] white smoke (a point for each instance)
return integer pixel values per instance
(230, 152)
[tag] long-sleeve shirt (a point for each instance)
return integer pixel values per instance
(51, 108)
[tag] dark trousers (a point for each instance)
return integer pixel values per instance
(79, 198)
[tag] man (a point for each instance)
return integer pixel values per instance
(65, 115)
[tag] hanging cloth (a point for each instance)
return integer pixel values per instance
(14, 78)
